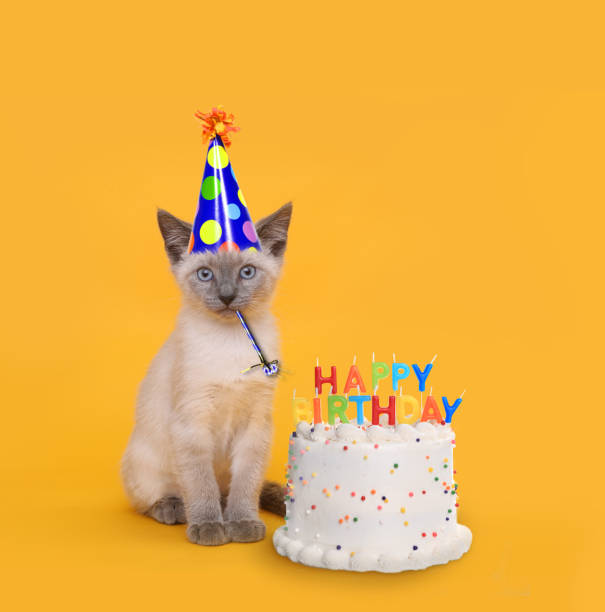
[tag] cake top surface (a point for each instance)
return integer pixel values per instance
(399, 434)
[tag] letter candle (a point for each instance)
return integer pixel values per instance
(401, 408)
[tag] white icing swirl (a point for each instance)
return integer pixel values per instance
(427, 432)
(319, 555)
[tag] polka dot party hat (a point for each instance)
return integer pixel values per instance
(222, 221)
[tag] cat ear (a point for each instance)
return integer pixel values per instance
(273, 230)
(176, 234)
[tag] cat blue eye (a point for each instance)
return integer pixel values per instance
(247, 272)
(205, 274)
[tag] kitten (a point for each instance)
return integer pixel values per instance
(203, 429)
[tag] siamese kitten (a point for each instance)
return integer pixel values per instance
(203, 429)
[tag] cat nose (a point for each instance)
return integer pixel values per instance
(227, 298)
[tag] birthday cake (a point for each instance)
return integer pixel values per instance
(372, 496)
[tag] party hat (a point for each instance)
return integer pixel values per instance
(222, 221)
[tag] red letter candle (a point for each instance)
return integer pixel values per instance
(321, 380)
(377, 410)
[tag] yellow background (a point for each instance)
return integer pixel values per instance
(445, 160)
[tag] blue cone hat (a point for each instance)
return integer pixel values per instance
(222, 221)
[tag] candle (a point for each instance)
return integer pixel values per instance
(377, 410)
(449, 410)
(360, 400)
(337, 405)
(316, 410)
(408, 409)
(400, 372)
(380, 370)
(431, 410)
(354, 379)
(301, 410)
(321, 380)
(422, 375)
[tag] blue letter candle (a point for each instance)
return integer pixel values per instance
(400, 371)
(360, 401)
(422, 375)
(449, 410)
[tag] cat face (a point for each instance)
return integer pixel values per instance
(221, 283)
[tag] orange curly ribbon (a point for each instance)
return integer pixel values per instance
(217, 122)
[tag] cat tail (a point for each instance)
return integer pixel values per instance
(272, 498)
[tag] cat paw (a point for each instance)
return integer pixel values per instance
(245, 530)
(211, 533)
(168, 510)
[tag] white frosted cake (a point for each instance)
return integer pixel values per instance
(371, 498)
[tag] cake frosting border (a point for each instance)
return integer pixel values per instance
(318, 555)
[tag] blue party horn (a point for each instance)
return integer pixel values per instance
(270, 368)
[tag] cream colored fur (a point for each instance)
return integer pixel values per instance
(203, 429)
